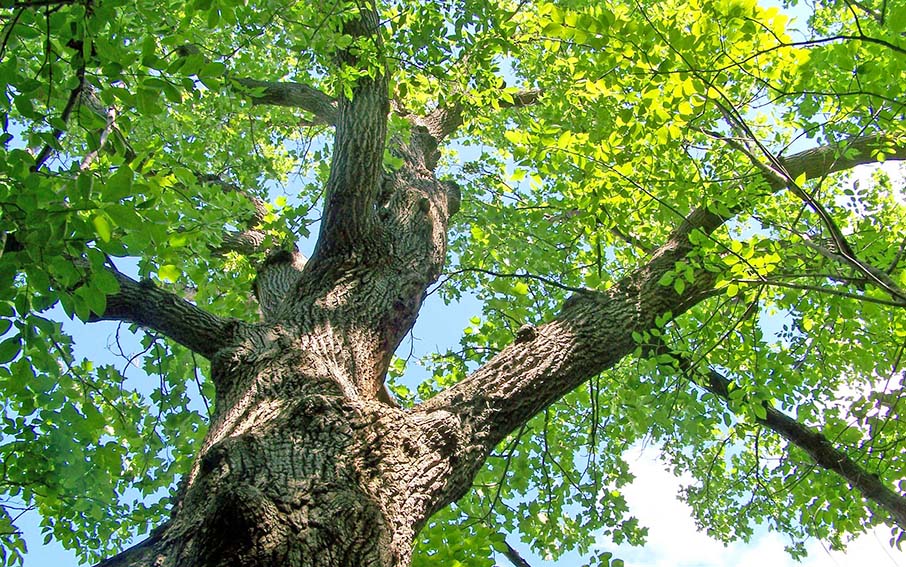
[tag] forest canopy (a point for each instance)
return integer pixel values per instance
(702, 199)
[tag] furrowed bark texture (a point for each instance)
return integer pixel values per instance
(147, 305)
(303, 464)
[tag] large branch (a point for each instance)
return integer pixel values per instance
(820, 162)
(847, 154)
(824, 454)
(594, 330)
(278, 93)
(276, 278)
(145, 304)
(358, 150)
(445, 120)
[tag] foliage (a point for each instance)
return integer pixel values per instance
(645, 113)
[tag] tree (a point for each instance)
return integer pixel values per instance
(658, 214)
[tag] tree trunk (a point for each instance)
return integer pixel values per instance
(303, 465)
(295, 472)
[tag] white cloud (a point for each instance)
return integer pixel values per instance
(674, 540)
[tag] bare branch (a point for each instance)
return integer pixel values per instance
(876, 275)
(296, 95)
(526, 276)
(828, 290)
(145, 304)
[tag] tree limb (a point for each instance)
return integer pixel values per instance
(817, 163)
(823, 452)
(279, 93)
(109, 128)
(145, 304)
(356, 166)
(514, 557)
(594, 329)
(816, 445)
(295, 95)
(445, 120)
(276, 278)
(74, 96)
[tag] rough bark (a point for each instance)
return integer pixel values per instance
(295, 95)
(303, 465)
(147, 305)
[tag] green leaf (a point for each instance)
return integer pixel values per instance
(102, 226)
(119, 185)
(213, 69)
(93, 299)
(105, 282)
(760, 411)
(10, 348)
(169, 273)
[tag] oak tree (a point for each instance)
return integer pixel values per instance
(655, 204)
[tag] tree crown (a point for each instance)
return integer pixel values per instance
(594, 144)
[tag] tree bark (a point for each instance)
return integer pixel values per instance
(303, 464)
(312, 479)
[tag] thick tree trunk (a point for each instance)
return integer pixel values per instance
(298, 470)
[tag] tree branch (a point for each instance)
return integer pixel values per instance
(296, 95)
(276, 277)
(109, 128)
(279, 93)
(829, 457)
(816, 445)
(514, 556)
(821, 162)
(145, 304)
(445, 120)
(356, 166)
(594, 329)
(74, 96)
